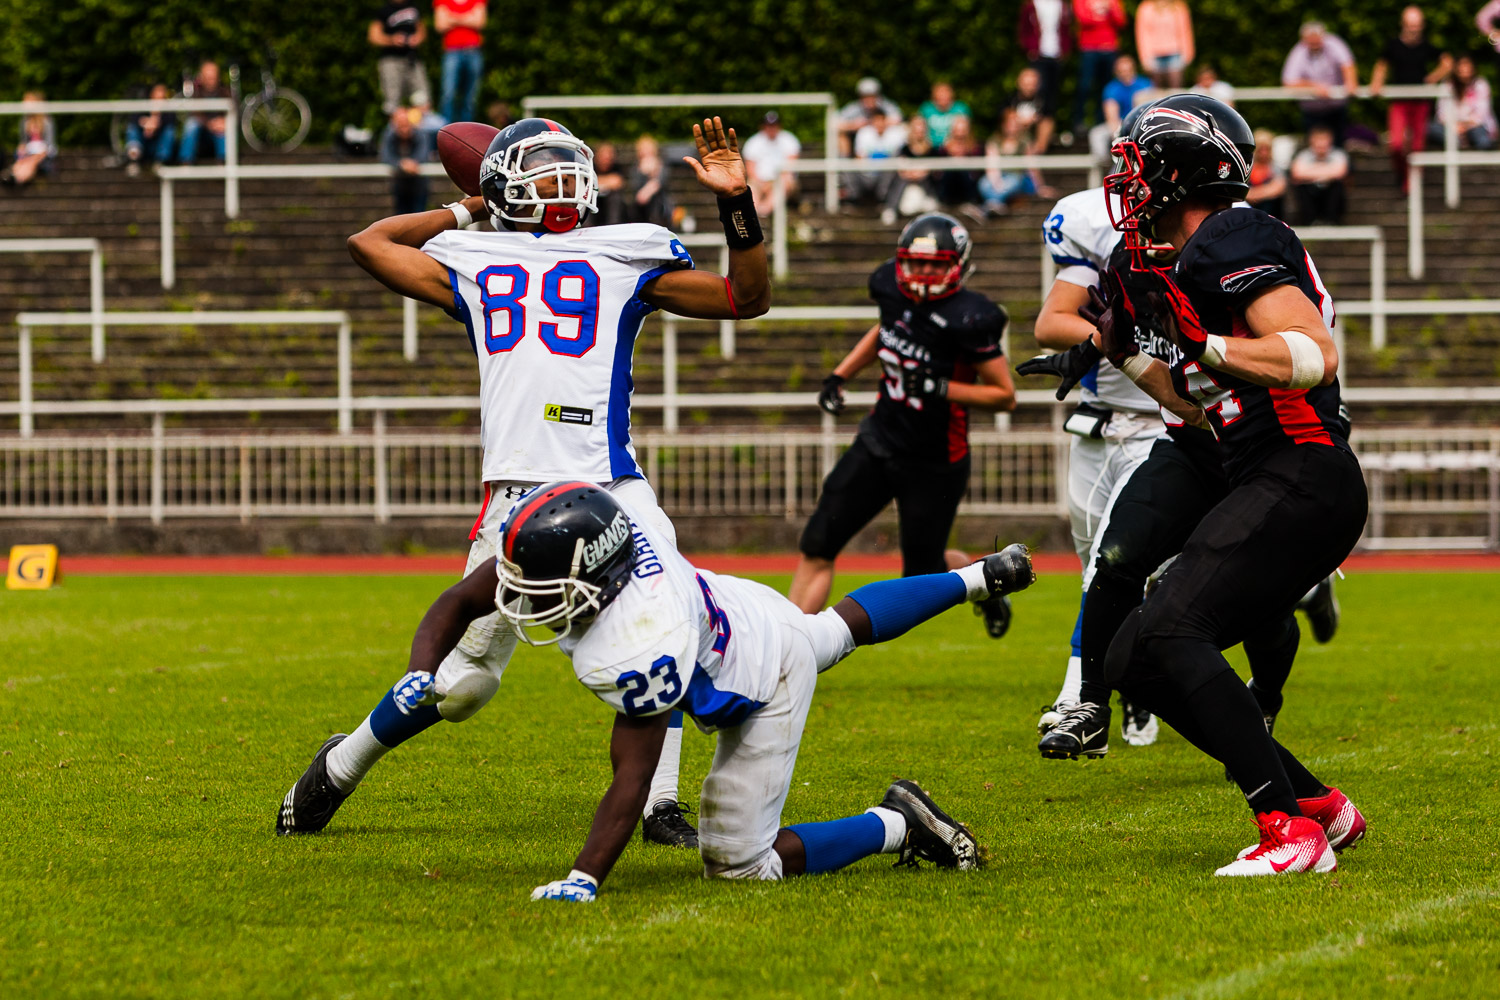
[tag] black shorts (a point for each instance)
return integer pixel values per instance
(1277, 533)
(859, 487)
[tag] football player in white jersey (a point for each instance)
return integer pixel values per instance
(552, 311)
(1114, 425)
(648, 633)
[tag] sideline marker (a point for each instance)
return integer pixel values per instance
(32, 567)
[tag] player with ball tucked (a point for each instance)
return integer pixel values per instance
(552, 312)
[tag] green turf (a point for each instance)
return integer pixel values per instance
(151, 726)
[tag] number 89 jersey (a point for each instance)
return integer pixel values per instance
(553, 318)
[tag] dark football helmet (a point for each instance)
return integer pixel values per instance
(566, 552)
(932, 237)
(1182, 145)
(522, 154)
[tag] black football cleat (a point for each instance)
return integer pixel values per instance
(1008, 571)
(1083, 732)
(314, 799)
(996, 613)
(1322, 610)
(666, 825)
(931, 834)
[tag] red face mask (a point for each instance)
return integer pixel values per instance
(927, 287)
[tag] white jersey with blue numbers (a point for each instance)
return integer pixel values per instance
(680, 637)
(1080, 238)
(553, 318)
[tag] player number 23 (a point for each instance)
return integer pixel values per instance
(656, 690)
(566, 320)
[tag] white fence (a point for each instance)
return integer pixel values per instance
(89, 246)
(1448, 475)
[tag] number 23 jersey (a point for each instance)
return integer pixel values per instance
(553, 319)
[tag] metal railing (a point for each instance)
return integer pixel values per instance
(27, 407)
(176, 105)
(1447, 477)
(89, 246)
(606, 102)
(1416, 237)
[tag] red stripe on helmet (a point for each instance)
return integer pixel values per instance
(531, 505)
(553, 125)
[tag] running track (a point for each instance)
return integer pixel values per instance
(452, 565)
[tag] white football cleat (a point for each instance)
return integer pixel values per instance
(1138, 727)
(1288, 845)
(1051, 716)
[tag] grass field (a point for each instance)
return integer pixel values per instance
(150, 726)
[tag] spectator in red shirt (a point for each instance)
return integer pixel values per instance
(460, 23)
(1099, 26)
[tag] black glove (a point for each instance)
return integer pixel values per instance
(1113, 319)
(831, 397)
(923, 383)
(1070, 365)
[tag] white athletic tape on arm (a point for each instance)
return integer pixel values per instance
(1135, 366)
(461, 215)
(1307, 359)
(1213, 350)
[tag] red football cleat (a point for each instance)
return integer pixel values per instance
(1288, 845)
(1342, 823)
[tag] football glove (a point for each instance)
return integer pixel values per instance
(414, 691)
(1070, 365)
(578, 887)
(1113, 321)
(923, 383)
(831, 398)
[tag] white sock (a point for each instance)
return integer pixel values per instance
(973, 577)
(895, 827)
(1072, 682)
(664, 781)
(352, 759)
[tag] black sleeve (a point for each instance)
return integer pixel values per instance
(1242, 253)
(883, 281)
(982, 330)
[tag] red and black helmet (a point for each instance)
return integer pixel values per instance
(1182, 145)
(566, 552)
(932, 237)
(523, 153)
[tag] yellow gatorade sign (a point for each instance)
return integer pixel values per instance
(32, 567)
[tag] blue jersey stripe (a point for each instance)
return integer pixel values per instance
(460, 311)
(1065, 260)
(622, 383)
(714, 708)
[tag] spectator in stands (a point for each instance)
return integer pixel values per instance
(460, 22)
(1487, 20)
(1318, 175)
(151, 136)
(1124, 92)
(941, 111)
(914, 191)
(1046, 36)
(498, 114)
(1467, 107)
(37, 150)
(960, 188)
(766, 153)
(206, 84)
(1409, 58)
(399, 33)
(1267, 180)
(1099, 25)
(1207, 82)
(857, 113)
(881, 138)
(404, 148)
(1321, 61)
(652, 194)
(1164, 40)
(1025, 129)
(610, 181)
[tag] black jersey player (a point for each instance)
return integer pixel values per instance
(938, 345)
(1248, 319)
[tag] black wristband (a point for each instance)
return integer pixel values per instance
(741, 224)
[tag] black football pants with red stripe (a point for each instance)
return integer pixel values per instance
(1276, 534)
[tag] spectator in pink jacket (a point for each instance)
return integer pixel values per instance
(1164, 40)
(1046, 36)
(1099, 25)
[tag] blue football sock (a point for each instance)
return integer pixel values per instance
(675, 722)
(391, 728)
(832, 845)
(1078, 629)
(897, 606)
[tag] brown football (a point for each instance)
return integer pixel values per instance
(461, 147)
